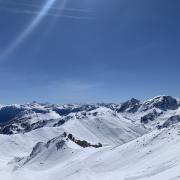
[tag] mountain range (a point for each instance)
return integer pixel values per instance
(132, 140)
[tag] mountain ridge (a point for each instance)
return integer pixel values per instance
(127, 141)
(34, 115)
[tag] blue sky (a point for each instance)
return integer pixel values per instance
(81, 51)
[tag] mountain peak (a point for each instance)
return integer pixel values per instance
(131, 106)
(163, 102)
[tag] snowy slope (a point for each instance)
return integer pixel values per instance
(105, 127)
(140, 140)
(153, 156)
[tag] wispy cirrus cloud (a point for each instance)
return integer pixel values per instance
(36, 9)
(25, 4)
(53, 14)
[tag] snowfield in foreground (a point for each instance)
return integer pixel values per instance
(129, 141)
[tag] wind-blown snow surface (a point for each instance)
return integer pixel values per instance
(140, 141)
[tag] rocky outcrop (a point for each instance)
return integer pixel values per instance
(161, 102)
(172, 120)
(150, 116)
(81, 143)
(130, 106)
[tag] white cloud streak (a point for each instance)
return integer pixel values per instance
(53, 14)
(38, 6)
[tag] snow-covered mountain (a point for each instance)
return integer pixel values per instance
(126, 141)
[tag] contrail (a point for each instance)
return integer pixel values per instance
(27, 11)
(30, 28)
(38, 6)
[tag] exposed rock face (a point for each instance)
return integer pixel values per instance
(59, 123)
(36, 149)
(162, 102)
(130, 106)
(150, 116)
(172, 120)
(81, 143)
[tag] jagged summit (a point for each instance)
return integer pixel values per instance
(131, 105)
(163, 102)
